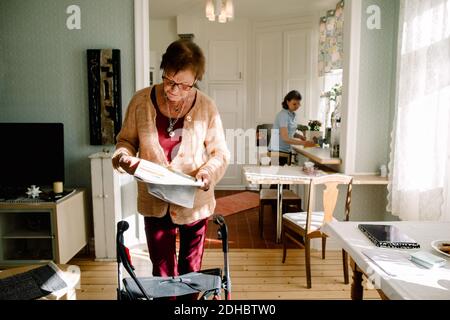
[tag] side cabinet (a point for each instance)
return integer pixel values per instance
(38, 232)
(114, 198)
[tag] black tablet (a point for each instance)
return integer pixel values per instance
(388, 236)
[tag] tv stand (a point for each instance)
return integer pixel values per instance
(39, 231)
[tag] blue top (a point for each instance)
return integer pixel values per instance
(284, 119)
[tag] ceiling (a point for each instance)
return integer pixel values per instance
(250, 9)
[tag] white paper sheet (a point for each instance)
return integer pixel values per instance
(393, 262)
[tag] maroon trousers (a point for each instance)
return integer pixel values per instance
(161, 240)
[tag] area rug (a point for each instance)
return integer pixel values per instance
(236, 203)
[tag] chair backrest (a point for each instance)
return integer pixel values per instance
(263, 134)
(330, 196)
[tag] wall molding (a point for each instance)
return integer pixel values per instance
(350, 84)
(142, 43)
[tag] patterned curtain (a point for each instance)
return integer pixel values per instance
(331, 35)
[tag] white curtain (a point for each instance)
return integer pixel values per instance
(420, 165)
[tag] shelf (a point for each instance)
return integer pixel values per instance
(370, 180)
(318, 155)
(36, 232)
(27, 249)
(26, 234)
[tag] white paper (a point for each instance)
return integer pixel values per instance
(169, 186)
(180, 195)
(393, 262)
(153, 173)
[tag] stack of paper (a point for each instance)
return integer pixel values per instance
(393, 262)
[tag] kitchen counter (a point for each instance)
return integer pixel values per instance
(318, 155)
(321, 156)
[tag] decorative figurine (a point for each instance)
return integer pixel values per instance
(33, 192)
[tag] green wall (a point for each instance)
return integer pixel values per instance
(377, 86)
(43, 75)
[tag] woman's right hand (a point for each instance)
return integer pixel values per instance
(128, 163)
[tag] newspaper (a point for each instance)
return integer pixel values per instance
(154, 173)
(168, 185)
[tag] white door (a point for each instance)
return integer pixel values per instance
(225, 61)
(282, 64)
(269, 72)
(229, 99)
(226, 87)
(297, 69)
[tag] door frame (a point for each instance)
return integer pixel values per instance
(142, 43)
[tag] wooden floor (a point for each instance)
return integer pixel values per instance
(243, 229)
(256, 274)
(255, 266)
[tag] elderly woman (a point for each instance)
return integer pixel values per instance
(176, 125)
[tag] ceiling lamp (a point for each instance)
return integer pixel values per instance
(222, 9)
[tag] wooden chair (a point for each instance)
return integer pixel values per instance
(301, 227)
(269, 196)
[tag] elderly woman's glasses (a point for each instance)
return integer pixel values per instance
(181, 86)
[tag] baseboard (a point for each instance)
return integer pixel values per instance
(230, 187)
(105, 259)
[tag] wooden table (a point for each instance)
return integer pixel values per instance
(69, 273)
(408, 282)
(280, 176)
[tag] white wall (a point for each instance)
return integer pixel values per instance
(162, 33)
(377, 87)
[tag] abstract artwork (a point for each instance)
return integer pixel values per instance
(105, 98)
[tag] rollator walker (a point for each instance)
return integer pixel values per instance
(208, 283)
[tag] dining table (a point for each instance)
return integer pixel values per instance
(280, 176)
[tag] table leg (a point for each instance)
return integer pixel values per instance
(356, 288)
(279, 210)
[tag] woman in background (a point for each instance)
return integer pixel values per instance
(284, 131)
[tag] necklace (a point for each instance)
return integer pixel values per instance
(172, 122)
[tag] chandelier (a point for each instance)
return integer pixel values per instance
(222, 9)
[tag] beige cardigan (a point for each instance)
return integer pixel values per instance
(203, 148)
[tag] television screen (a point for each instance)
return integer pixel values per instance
(32, 153)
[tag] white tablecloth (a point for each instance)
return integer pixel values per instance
(408, 283)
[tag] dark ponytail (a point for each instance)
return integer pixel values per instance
(293, 95)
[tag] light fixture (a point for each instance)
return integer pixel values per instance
(222, 9)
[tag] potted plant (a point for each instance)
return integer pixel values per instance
(303, 129)
(314, 132)
(333, 103)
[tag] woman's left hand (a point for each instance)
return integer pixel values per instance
(204, 176)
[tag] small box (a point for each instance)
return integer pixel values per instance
(427, 259)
